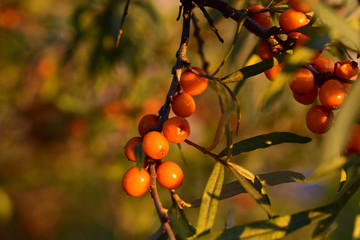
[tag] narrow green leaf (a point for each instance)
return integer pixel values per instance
(275, 228)
(210, 199)
(356, 231)
(267, 180)
(253, 187)
(265, 141)
(180, 224)
(255, 69)
(139, 155)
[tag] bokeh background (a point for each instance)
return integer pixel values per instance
(69, 101)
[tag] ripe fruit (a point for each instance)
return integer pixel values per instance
(323, 64)
(346, 69)
(183, 105)
(135, 182)
(302, 39)
(302, 82)
(262, 18)
(169, 175)
(353, 144)
(319, 119)
(332, 94)
(192, 83)
(274, 71)
(155, 145)
(129, 148)
(291, 19)
(176, 129)
(301, 5)
(148, 121)
(263, 50)
(307, 98)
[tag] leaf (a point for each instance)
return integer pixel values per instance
(253, 187)
(139, 155)
(267, 180)
(179, 224)
(275, 228)
(265, 141)
(255, 69)
(210, 199)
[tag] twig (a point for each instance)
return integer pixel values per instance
(200, 41)
(203, 150)
(164, 218)
(211, 23)
(122, 23)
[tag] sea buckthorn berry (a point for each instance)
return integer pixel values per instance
(169, 175)
(302, 5)
(302, 82)
(176, 129)
(183, 105)
(263, 18)
(272, 73)
(129, 148)
(349, 85)
(148, 121)
(291, 19)
(323, 64)
(346, 69)
(353, 144)
(192, 83)
(332, 94)
(155, 145)
(136, 182)
(307, 98)
(319, 119)
(263, 50)
(301, 40)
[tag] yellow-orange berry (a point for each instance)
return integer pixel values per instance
(302, 82)
(307, 98)
(263, 50)
(176, 129)
(263, 18)
(323, 64)
(302, 5)
(291, 19)
(319, 119)
(192, 83)
(183, 105)
(148, 121)
(129, 148)
(136, 182)
(332, 94)
(155, 145)
(346, 69)
(169, 175)
(272, 73)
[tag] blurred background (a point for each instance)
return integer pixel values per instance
(69, 101)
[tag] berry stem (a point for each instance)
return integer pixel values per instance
(203, 150)
(164, 218)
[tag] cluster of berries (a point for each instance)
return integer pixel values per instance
(156, 144)
(304, 85)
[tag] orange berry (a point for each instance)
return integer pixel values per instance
(332, 94)
(348, 85)
(291, 19)
(129, 148)
(319, 119)
(302, 39)
(192, 83)
(263, 50)
(155, 145)
(323, 64)
(353, 144)
(346, 69)
(135, 182)
(302, 5)
(169, 175)
(183, 105)
(262, 18)
(176, 129)
(148, 121)
(307, 98)
(272, 73)
(302, 82)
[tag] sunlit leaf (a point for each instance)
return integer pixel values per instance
(267, 180)
(275, 228)
(210, 199)
(253, 187)
(265, 141)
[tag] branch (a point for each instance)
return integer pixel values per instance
(164, 218)
(122, 23)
